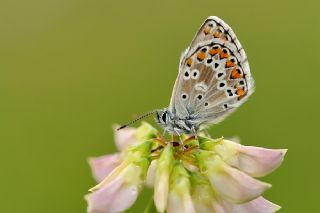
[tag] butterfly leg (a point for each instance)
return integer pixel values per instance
(207, 133)
(194, 133)
(164, 133)
(177, 135)
(187, 147)
(189, 139)
(175, 138)
(177, 132)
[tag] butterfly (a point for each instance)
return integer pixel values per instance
(214, 79)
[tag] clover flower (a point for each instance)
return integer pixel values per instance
(188, 174)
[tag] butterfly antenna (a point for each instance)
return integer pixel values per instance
(137, 119)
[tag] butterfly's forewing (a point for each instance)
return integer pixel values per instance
(214, 76)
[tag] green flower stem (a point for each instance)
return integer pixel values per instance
(151, 208)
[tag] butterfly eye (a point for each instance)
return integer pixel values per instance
(184, 96)
(195, 74)
(164, 117)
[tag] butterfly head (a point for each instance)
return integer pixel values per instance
(163, 117)
(172, 124)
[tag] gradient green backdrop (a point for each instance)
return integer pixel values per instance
(71, 69)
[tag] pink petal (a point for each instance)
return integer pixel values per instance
(102, 166)
(203, 208)
(202, 193)
(161, 189)
(101, 200)
(259, 162)
(190, 167)
(116, 196)
(259, 205)
(220, 208)
(125, 137)
(234, 185)
(255, 161)
(151, 173)
(180, 204)
(162, 178)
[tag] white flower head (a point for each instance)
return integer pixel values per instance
(188, 174)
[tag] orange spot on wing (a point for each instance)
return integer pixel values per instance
(223, 55)
(225, 38)
(214, 51)
(217, 34)
(189, 62)
(230, 64)
(235, 74)
(201, 55)
(240, 92)
(207, 30)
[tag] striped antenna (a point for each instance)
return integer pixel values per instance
(137, 119)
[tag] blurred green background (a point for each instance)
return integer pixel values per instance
(71, 69)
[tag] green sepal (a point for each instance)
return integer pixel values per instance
(202, 156)
(209, 144)
(179, 179)
(145, 131)
(165, 162)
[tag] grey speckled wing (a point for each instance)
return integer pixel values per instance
(214, 75)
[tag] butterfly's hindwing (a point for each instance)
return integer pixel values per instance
(214, 76)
